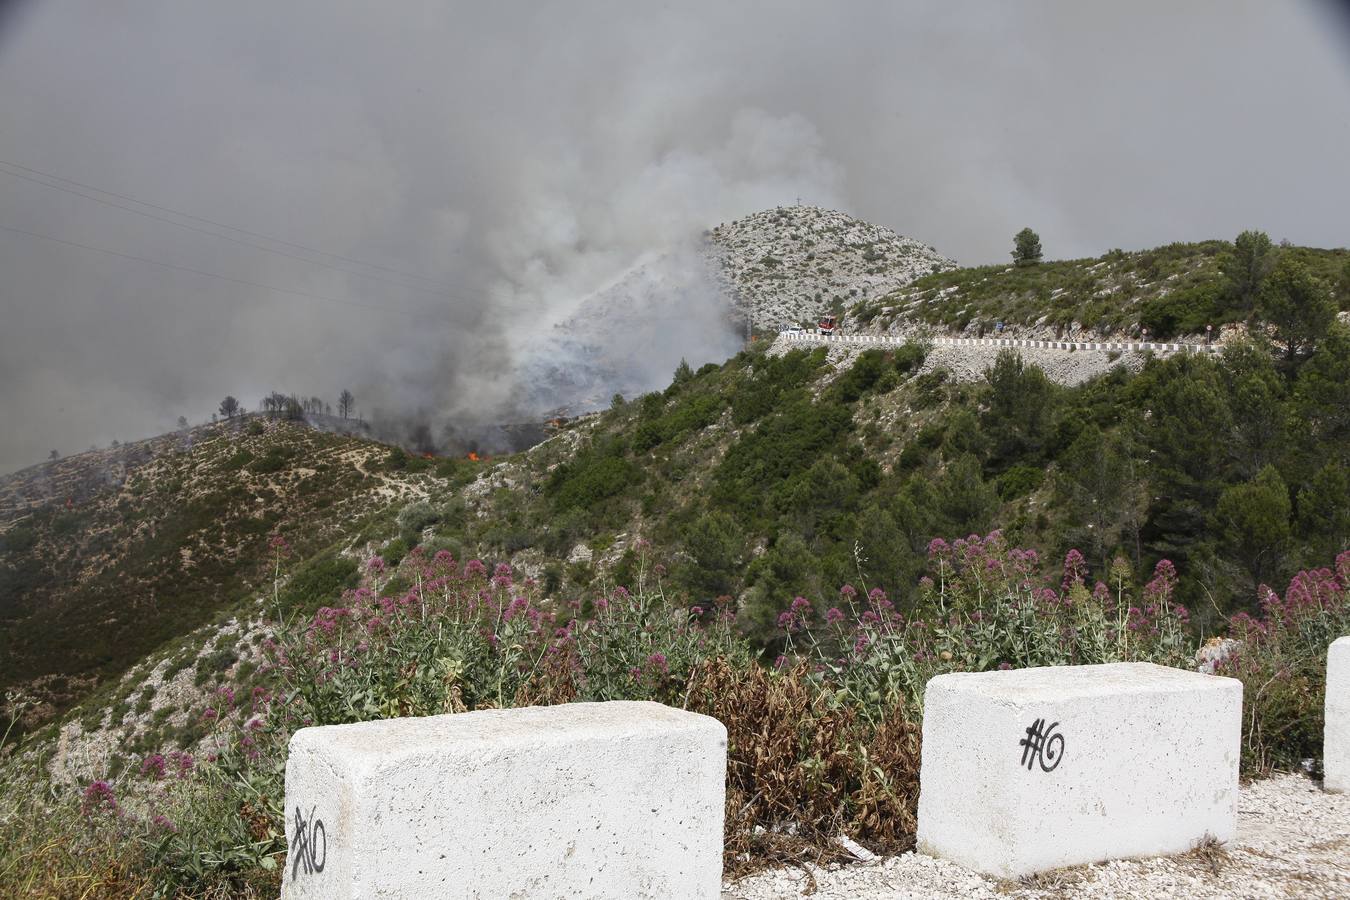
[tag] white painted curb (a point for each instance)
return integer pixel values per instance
(1336, 737)
(1033, 769)
(1162, 349)
(597, 800)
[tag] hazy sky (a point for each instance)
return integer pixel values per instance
(514, 157)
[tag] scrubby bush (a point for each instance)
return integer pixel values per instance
(822, 742)
(415, 518)
(1282, 661)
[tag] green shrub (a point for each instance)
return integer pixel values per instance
(1020, 481)
(394, 551)
(317, 582)
(274, 460)
(909, 358)
(19, 539)
(415, 518)
(1183, 311)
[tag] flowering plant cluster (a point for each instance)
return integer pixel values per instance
(826, 733)
(1281, 657)
(461, 638)
(987, 605)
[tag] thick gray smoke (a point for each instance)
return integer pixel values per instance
(520, 158)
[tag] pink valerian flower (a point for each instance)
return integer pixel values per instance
(797, 616)
(1100, 592)
(474, 568)
(278, 544)
(657, 663)
(375, 565)
(517, 606)
(226, 694)
(181, 762)
(938, 549)
(635, 673)
(1135, 619)
(209, 714)
(153, 766)
(848, 591)
(1314, 589)
(1164, 582)
(98, 798)
(1075, 570)
(1004, 666)
(696, 611)
(1343, 568)
(1270, 604)
(834, 615)
(162, 821)
(443, 558)
(781, 662)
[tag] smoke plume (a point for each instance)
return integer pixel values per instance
(509, 168)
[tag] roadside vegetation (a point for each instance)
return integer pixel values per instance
(833, 530)
(823, 738)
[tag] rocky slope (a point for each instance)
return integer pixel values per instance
(107, 554)
(790, 264)
(759, 273)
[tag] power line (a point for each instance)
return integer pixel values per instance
(206, 221)
(225, 237)
(189, 269)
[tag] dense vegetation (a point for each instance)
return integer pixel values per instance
(1173, 290)
(140, 545)
(823, 742)
(1177, 495)
(777, 476)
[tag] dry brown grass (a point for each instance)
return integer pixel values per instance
(802, 770)
(1209, 854)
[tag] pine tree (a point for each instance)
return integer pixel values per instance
(1246, 267)
(1026, 248)
(1298, 305)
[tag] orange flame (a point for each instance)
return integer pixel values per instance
(473, 457)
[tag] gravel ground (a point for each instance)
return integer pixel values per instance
(1293, 841)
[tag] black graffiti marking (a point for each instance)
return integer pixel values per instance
(306, 844)
(1040, 746)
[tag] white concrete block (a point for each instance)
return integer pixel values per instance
(1336, 737)
(1032, 769)
(621, 800)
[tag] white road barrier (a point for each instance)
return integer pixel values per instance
(809, 337)
(597, 800)
(1028, 770)
(1336, 745)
